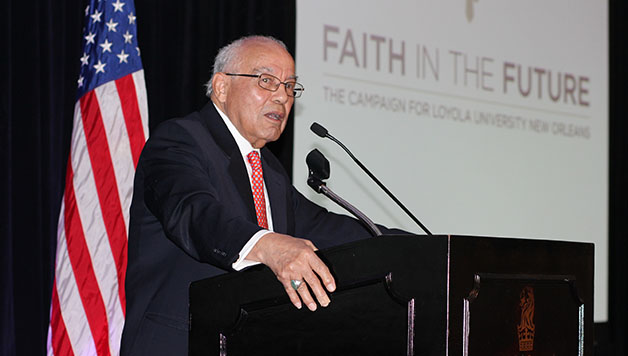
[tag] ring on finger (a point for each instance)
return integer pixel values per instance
(295, 283)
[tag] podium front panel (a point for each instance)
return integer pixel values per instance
(410, 295)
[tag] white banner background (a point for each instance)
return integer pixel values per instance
(427, 95)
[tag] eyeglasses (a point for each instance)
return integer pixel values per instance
(272, 83)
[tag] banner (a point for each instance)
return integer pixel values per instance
(483, 117)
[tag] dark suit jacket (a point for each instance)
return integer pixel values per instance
(192, 212)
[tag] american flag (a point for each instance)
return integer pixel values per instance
(110, 129)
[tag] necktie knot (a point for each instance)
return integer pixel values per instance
(254, 160)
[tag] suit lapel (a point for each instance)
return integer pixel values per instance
(276, 194)
(236, 168)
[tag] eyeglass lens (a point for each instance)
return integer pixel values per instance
(272, 83)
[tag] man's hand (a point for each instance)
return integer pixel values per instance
(293, 258)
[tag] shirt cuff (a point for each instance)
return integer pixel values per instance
(241, 262)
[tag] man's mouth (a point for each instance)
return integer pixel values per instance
(275, 116)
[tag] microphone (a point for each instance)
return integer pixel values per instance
(319, 130)
(318, 167)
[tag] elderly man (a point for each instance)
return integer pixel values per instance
(209, 198)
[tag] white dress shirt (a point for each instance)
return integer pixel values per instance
(245, 148)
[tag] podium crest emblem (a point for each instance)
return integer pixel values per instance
(526, 326)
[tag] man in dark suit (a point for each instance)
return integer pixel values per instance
(204, 204)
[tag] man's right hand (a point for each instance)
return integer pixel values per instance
(291, 258)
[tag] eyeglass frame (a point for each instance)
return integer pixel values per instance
(297, 91)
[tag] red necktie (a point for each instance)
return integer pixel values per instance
(258, 189)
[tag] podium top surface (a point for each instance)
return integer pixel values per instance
(434, 260)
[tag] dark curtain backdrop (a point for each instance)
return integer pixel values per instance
(40, 46)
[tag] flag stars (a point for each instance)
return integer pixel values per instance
(84, 59)
(111, 26)
(106, 46)
(87, 10)
(131, 18)
(96, 16)
(100, 67)
(123, 56)
(138, 50)
(127, 37)
(80, 81)
(117, 6)
(90, 38)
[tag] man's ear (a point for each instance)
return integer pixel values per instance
(220, 86)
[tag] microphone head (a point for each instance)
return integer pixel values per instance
(319, 130)
(317, 164)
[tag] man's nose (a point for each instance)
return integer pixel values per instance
(281, 94)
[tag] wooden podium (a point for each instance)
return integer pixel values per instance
(410, 295)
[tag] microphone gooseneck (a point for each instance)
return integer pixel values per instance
(318, 167)
(319, 130)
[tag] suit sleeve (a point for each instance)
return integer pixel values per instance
(184, 189)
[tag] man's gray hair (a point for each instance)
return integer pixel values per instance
(228, 56)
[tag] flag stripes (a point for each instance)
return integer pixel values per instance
(130, 107)
(61, 341)
(66, 288)
(142, 102)
(93, 223)
(83, 270)
(106, 186)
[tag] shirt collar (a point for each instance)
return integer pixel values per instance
(244, 145)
